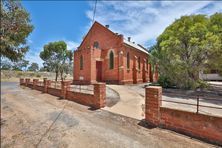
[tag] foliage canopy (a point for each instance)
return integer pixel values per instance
(15, 28)
(56, 57)
(189, 45)
(33, 67)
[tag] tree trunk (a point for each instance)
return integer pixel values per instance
(61, 74)
(56, 75)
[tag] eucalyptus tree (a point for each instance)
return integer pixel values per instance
(187, 46)
(55, 56)
(15, 28)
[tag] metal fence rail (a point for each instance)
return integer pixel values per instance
(40, 83)
(88, 89)
(55, 84)
(198, 105)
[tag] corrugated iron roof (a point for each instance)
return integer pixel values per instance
(136, 46)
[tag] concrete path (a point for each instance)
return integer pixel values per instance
(131, 103)
(132, 100)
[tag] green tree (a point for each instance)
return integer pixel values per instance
(42, 69)
(55, 56)
(66, 65)
(184, 49)
(33, 67)
(6, 65)
(215, 26)
(15, 28)
(20, 65)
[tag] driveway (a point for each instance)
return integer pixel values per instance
(130, 104)
(30, 118)
(132, 100)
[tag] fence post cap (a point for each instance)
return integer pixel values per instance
(99, 83)
(155, 87)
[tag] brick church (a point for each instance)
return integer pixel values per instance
(105, 56)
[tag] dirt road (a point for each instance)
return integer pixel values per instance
(32, 119)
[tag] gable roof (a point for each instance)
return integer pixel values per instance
(132, 44)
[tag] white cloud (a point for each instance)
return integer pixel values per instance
(145, 20)
(72, 45)
(33, 57)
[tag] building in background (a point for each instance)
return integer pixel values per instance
(105, 56)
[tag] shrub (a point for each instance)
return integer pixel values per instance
(38, 75)
(164, 82)
(32, 74)
(19, 74)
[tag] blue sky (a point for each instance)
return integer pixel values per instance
(70, 20)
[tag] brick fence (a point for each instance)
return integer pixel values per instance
(95, 100)
(205, 127)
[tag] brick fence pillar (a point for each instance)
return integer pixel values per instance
(64, 85)
(99, 95)
(22, 81)
(27, 80)
(152, 104)
(48, 83)
(35, 82)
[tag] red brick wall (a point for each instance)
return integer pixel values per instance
(107, 40)
(30, 85)
(128, 73)
(40, 88)
(54, 91)
(22, 81)
(97, 100)
(200, 126)
(152, 104)
(85, 72)
(110, 75)
(85, 99)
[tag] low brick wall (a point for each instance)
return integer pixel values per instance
(30, 85)
(197, 125)
(85, 99)
(95, 100)
(205, 127)
(22, 81)
(40, 88)
(54, 91)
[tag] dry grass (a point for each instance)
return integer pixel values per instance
(14, 76)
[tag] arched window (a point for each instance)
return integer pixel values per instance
(111, 60)
(128, 60)
(96, 44)
(139, 63)
(81, 62)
